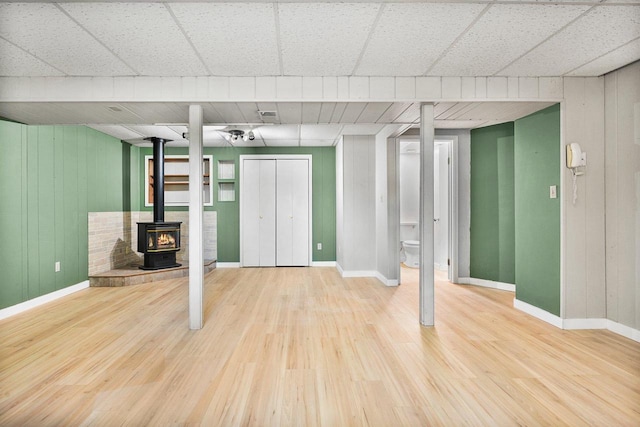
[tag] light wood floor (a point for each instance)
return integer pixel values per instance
(304, 347)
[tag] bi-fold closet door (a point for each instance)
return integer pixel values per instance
(275, 212)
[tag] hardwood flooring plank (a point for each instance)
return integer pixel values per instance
(303, 346)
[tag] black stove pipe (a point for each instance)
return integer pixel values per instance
(158, 177)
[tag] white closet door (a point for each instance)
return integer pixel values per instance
(292, 212)
(258, 213)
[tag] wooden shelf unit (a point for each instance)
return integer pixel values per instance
(176, 180)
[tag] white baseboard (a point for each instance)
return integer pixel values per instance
(624, 330)
(366, 273)
(385, 281)
(227, 265)
(584, 323)
(487, 283)
(323, 264)
(359, 273)
(575, 324)
(32, 303)
(538, 313)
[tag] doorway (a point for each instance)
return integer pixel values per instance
(445, 200)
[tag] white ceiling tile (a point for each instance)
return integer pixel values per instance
(249, 111)
(317, 142)
(457, 124)
(319, 132)
(117, 131)
(497, 38)
(16, 62)
(326, 111)
(311, 112)
(395, 110)
(410, 36)
(352, 112)
(278, 132)
(603, 29)
(373, 111)
(281, 142)
(624, 55)
(361, 129)
(338, 111)
(233, 39)
(229, 112)
(290, 112)
(158, 131)
(46, 32)
(323, 39)
(144, 35)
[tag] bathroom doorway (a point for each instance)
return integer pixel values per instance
(445, 206)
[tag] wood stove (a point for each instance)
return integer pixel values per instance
(159, 241)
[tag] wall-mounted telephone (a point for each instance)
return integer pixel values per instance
(576, 158)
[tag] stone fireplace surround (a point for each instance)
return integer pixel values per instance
(113, 238)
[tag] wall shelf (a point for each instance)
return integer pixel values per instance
(176, 180)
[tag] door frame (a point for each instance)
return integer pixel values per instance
(276, 157)
(452, 142)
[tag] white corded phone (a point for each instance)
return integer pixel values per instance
(576, 158)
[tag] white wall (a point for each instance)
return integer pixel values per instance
(358, 229)
(339, 203)
(583, 245)
(464, 195)
(622, 175)
(386, 200)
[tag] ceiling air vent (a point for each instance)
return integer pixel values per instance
(268, 116)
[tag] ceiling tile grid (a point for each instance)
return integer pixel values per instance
(144, 35)
(410, 37)
(22, 63)
(46, 32)
(320, 39)
(501, 35)
(601, 30)
(234, 39)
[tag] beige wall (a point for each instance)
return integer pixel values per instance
(622, 168)
(583, 244)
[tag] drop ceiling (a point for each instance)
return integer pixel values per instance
(306, 38)
(294, 124)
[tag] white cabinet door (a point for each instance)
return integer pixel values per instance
(258, 213)
(292, 209)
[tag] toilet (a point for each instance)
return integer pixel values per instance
(411, 249)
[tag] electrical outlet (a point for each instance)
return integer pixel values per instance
(319, 246)
(553, 192)
(57, 267)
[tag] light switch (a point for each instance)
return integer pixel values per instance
(57, 266)
(319, 246)
(553, 193)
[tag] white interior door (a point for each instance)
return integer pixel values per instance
(292, 208)
(441, 206)
(259, 213)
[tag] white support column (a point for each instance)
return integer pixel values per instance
(426, 215)
(196, 252)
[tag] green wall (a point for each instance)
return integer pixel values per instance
(492, 203)
(228, 213)
(50, 178)
(537, 243)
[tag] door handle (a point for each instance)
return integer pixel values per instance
(436, 219)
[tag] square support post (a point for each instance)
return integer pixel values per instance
(427, 296)
(196, 247)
